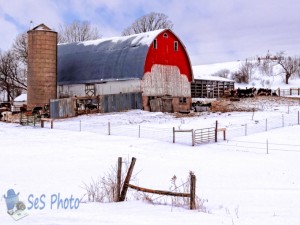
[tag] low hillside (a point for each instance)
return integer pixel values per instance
(259, 78)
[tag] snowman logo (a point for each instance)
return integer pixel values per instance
(15, 207)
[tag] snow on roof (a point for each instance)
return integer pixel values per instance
(214, 78)
(118, 58)
(42, 27)
(136, 39)
(21, 98)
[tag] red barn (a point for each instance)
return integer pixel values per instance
(150, 70)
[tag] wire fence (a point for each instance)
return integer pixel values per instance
(259, 147)
(257, 126)
(166, 132)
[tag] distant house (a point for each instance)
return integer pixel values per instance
(150, 71)
(19, 101)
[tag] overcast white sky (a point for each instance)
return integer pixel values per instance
(212, 30)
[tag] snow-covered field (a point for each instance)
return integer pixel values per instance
(251, 178)
(257, 79)
(240, 181)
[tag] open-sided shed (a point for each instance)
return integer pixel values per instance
(211, 87)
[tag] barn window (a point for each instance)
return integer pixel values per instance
(90, 89)
(175, 46)
(165, 35)
(155, 43)
(182, 100)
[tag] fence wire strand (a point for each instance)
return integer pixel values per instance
(164, 133)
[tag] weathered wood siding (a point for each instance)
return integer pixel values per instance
(116, 87)
(112, 87)
(166, 80)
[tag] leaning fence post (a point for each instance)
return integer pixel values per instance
(193, 192)
(119, 175)
(127, 180)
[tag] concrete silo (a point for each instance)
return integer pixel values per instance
(42, 66)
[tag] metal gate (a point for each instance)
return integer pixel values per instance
(205, 135)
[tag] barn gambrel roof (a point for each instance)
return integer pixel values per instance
(120, 58)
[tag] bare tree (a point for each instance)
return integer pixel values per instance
(12, 75)
(20, 48)
(289, 65)
(265, 64)
(245, 72)
(222, 73)
(149, 22)
(78, 31)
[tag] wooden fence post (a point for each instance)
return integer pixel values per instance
(173, 134)
(127, 180)
(193, 138)
(119, 175)
(193, 192)
(216, 131)
(245, 129)
(139, 130)
(298, 118)
(266, 124)
(108, 128)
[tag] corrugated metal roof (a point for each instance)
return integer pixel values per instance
(120, 58)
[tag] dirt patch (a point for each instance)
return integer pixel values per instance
(258, 103)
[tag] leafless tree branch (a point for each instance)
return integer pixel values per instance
(78, 31)
(149, 22)
(289, 65)
(12, 75)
